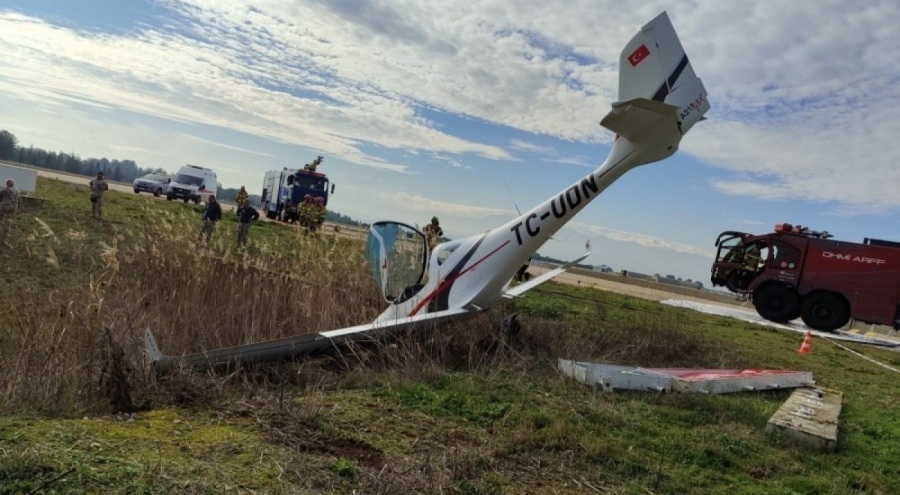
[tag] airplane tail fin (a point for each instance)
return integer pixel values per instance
(653, 66)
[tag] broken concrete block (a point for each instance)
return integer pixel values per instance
(810, 415)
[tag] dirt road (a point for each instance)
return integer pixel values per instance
(80, 179)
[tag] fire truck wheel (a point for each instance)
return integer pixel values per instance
(825, 311)
(777, 303)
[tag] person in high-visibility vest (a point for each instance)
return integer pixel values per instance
(752, 258)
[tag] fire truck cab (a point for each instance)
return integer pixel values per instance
(797, 272)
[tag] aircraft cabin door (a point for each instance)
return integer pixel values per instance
(397, 254)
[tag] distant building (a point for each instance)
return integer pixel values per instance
(603, 269)
(636, 275)
(670, 280)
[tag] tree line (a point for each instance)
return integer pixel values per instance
(116, 170)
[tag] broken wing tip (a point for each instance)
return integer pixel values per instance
(152, 349)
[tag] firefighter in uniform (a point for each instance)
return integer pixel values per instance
(433, 233)
(306, 211)
(241, 196)
(752, 258)
(313, 165)
(318, 217)
(749, 265)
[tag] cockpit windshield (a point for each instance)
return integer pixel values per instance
(396, 254)
(443, 251)
(311, 184)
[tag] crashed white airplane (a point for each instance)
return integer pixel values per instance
(660, 99)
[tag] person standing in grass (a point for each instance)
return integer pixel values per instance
(98, 187)
(246, 215)
(241, 196)
(318, 213)
(306, 211)
(9, 205)
(211, 216)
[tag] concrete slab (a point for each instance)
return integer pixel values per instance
(810, 416)
(610, 377)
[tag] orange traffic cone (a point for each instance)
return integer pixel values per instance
(806, 346)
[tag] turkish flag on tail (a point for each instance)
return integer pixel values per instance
(641, 53)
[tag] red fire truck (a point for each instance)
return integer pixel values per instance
(796, 271)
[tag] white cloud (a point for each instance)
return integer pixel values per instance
(639, 239)
(129, 149)
(803, 99)
(168, 75)
(223, 145)
(520, 145)
(414, 202)
(581, 161)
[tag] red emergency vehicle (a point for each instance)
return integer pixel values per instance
(796, 271)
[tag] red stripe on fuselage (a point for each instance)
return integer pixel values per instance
(447, 283)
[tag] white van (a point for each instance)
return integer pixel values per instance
(192, 183)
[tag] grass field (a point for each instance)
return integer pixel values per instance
(461, 410)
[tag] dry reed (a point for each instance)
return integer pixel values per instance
(81, 347)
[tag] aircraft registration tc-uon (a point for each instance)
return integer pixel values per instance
(660, 98)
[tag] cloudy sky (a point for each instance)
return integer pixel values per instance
(472, 109)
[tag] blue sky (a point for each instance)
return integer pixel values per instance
(465, 109)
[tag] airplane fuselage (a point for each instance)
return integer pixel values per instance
(475, 273)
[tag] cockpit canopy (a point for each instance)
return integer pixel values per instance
(397, 254)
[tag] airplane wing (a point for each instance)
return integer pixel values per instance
(522, 288)
(291, 346)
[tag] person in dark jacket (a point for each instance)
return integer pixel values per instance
(211, 216)
(246, 215)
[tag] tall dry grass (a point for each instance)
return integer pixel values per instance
(81, 347)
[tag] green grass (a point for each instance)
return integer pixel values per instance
(442, 415)
(62, 218)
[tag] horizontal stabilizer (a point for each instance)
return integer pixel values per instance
(633, 118)
(522, 288)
